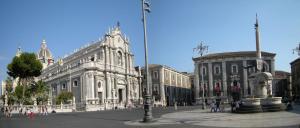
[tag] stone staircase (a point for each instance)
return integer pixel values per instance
(249, 109)
(273, 107)
(261, 108)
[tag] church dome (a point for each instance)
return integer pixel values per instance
(44, 52)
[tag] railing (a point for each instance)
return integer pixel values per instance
(70, 107)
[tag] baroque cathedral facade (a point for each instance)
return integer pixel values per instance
(101, 73)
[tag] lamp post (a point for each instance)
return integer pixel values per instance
(201, 50)
(147, 98)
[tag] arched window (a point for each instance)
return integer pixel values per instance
(99, 84)
(204, 71)
(217, 70)
(119, 57)
(75, 83)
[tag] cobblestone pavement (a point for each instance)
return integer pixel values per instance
(205, 118)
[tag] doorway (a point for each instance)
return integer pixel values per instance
(120, 92)
(100, 97)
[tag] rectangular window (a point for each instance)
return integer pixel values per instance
(155, 75)
(234, 69)
(204, 71)
(75, 83)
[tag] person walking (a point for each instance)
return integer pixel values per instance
(10, 111)
(212, 107)
(218, 100)
(45, 111)
(6, 112)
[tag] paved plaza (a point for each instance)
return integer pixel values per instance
(204, 118)
(191, 117)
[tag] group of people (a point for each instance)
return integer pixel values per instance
(235, 105)
(217, 106)
(7, 111)
(42, 110)
(26, 112)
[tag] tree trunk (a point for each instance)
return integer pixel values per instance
(24, 86)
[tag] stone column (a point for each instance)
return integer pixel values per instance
(96, 81)
(111, 59)
(245, 77)
(176, 87)
(210, 79)
(273, 67)
(88, 84)
(95, 57)
(196, 83)
(70, 82)
(58, 88)
(162, 86)
(82, 87)
(92, 86)
(106, 52)
(126, 64)
(128, 90)
(108, 89)
(224, 78)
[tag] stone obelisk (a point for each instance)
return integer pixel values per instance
(258, 52)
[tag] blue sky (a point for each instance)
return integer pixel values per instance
(175, 27)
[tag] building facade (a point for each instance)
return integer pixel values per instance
(295, 73)
(282, 84)
(192, 79)
(225, 73)
(168, 85)
(101, 73)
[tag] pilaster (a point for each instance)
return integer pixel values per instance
(162, 86)
(224, 76)
(245, 78)
(108, 85)
(273, 67)
(196, 82)
(210, 79)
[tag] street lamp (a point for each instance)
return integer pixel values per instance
(147, 101)
(201, 50)
(297, 49)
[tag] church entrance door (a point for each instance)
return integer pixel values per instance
(120, 92)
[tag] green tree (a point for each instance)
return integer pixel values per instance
(25, 67)
(64, 96)
(26, 100)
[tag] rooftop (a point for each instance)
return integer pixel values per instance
(233, 54)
